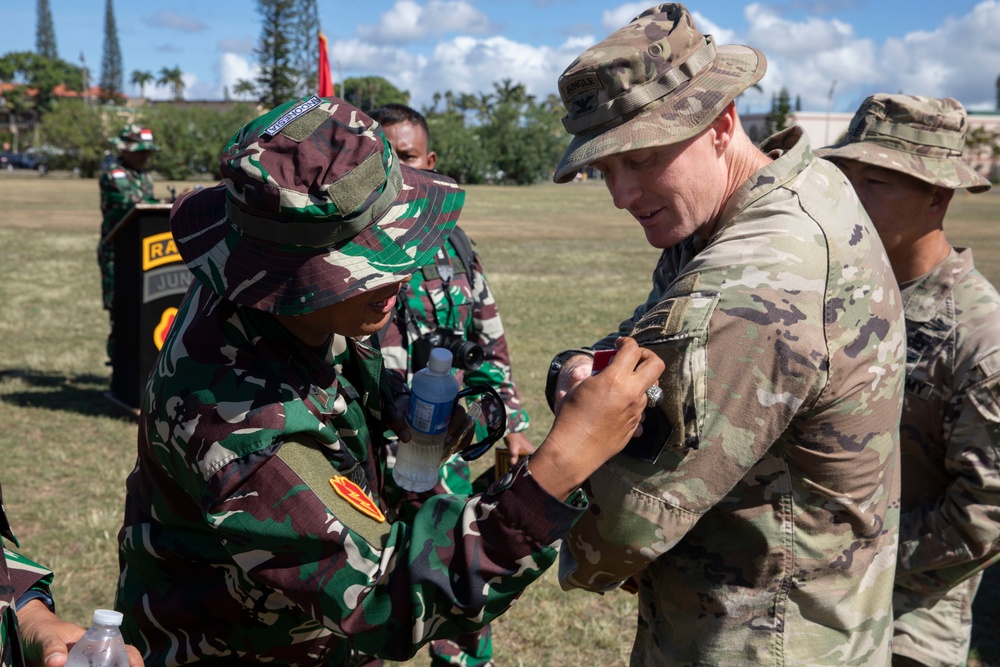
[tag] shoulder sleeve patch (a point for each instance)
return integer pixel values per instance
(307, 461)
(676, 329)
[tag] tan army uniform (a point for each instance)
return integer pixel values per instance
(950, 432)
(761, 520)
(949, 435)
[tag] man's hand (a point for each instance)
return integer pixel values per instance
(596, 419)
(47, 638)
(519, 446)
(575, 370)
(395, 416)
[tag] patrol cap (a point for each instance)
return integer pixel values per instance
(134, 138)
(922, 137)
(655, 82)
(314, 208)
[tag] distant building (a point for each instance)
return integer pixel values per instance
(822, 128)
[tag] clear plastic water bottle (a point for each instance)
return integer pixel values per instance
(432, 397)
(102, 644)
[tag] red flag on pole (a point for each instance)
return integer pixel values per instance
(325, 80)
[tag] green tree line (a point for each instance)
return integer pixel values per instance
(506, 136)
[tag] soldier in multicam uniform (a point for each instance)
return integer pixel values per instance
(123, 183)
(448, 296)
(904, 156)
(29, 627)
(758, 513)
(254, 524)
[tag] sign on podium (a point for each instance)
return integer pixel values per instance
(150, 282)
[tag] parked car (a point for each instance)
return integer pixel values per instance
(11, 161)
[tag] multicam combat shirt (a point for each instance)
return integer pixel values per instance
(235, 545)
(950, 464)
(18, 575)
(761, 522)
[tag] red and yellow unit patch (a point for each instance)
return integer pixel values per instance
(356, 497)
(163, 328)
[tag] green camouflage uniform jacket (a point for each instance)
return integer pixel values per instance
(759, 513)
(121, 189)
(18, 575)
(464, 304)
(235, 545)
(448, 294)
(950, 445)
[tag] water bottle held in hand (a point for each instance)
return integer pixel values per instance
(432, 399)
(102, 644)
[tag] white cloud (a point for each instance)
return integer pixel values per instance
(408, 22)
(613, 19)
(232, 67)
(175, 21)
(230, 45)
(707, 27)
(783, 37)
(957, 59)
(463, 65)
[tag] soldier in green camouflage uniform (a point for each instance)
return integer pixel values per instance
(904, 156)
(255, 527)
(450, 294)
(29, 627)
(123, 183)
(757, 516)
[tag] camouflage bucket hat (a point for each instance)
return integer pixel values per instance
(314, 208)
(655, 82)
(922, 137)
(134, 138)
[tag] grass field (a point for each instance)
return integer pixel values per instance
(565, 266)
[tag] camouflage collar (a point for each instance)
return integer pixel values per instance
(792, 154)
(922, 301)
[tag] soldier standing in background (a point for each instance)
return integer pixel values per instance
(903, 154)
(448, 301)
(757, 516)
(123, 183)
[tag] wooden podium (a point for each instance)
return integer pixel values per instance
(150, 282)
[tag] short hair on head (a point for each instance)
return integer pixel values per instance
(394, 113)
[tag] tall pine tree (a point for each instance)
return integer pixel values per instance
(305, 52)
(45, 35)
(112, 76)
(277, 81)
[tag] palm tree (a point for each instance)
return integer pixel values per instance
(244, 87)
(140, 78)
(173, 77)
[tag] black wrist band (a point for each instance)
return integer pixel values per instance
(35, 594)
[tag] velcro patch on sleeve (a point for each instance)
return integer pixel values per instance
(307, 461)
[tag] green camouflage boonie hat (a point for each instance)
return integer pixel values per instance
(134, 138)
(655, 82)
(314, 208)
(922, 137)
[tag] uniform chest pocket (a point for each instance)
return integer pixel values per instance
(676, 329)
(985, 392)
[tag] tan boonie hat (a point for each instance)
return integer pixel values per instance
(922, 137)
(655, 82)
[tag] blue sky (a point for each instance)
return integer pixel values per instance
(915, 46)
